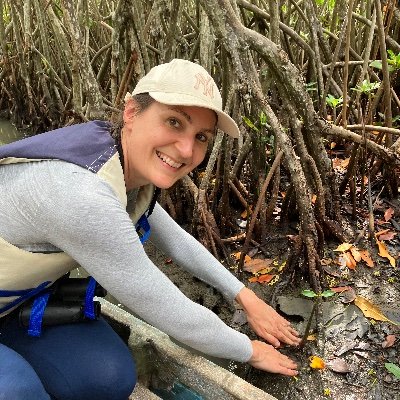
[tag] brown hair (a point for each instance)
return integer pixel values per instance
(143, 101)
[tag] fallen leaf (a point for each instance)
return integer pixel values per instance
(265, 278)
(384, 253)
(254, 265)
(262, 278)
(355, 253)
(338, 365)
(236, 256)
(366, 257)
(350, 261)
(348, 296)
(388, 214)
(389, 341)
(316, 362)
(394, 369)
(387, 236)
(312, 337)
(340, 289)
(343, 247)
(370, 310)
(382, 232)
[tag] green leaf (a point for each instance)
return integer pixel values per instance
(250, 124)
(263, 118)
(394, 369)
(309, 293)
(328, 293)
(376, 64)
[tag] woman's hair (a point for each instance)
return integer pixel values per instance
(143, 101)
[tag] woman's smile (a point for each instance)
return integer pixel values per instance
(167, 160)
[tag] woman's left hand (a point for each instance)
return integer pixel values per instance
(265, 321)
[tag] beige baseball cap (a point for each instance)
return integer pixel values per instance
(183, 83)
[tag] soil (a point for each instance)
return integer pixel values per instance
(348, 342)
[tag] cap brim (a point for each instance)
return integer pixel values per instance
(225, 122)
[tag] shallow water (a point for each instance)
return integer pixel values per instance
(8, 132)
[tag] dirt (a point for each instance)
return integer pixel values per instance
(353, 346)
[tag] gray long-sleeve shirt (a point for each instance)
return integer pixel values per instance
(56, 204)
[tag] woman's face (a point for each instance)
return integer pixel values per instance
(163, 143)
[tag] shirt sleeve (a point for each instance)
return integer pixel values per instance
(80, 214)
(190, 254)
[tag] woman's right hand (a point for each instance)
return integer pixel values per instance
(267, 358)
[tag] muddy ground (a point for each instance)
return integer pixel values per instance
(354, 348)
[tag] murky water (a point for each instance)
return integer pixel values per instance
(8, 132)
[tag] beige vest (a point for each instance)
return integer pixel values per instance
(20, 269)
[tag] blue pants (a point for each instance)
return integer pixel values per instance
(81, 361)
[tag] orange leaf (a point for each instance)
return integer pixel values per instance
(350, 261)
(236, 256)
(253, 279)
(355, 253)
(382, 232)
(316, 362)
(384, 253)
(340, 289)
(265, 278)
(256, 264)
(389, 213)
(366, 257)
(370, 310)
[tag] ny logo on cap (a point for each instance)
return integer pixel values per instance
(207, 83)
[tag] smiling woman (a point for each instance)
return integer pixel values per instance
(84, 195)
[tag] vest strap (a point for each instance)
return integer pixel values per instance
(23, 295)
(143, 224)
(36, 317)
(89, 303)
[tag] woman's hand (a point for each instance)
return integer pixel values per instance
(266, 358)
(265, 321)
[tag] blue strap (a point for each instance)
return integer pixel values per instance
(24, 295)
(36, 317)
(143, 224)
(88, 309)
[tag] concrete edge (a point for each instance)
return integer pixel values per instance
(170, 362)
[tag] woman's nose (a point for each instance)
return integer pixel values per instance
(185, 146)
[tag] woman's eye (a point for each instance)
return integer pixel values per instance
(202, 137)
(174, 122)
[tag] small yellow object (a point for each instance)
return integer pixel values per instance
(327, 392)
(316, 362)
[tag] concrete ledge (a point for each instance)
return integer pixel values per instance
(161, 362)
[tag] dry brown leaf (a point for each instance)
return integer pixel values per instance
(344, 247)
(382, 232)
(312, 337)
(316, 362)
(236, 256)
(355, 253)
(340, 289)
(266, 278)
(366, 257)
(388, 236)
(383, 252)
(350, 261)
(256, 264)
(388, 214)
(389, 341)
(370, 310)
(338, 365)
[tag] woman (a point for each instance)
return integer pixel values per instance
(73, 196)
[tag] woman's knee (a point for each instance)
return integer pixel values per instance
(18, 380)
